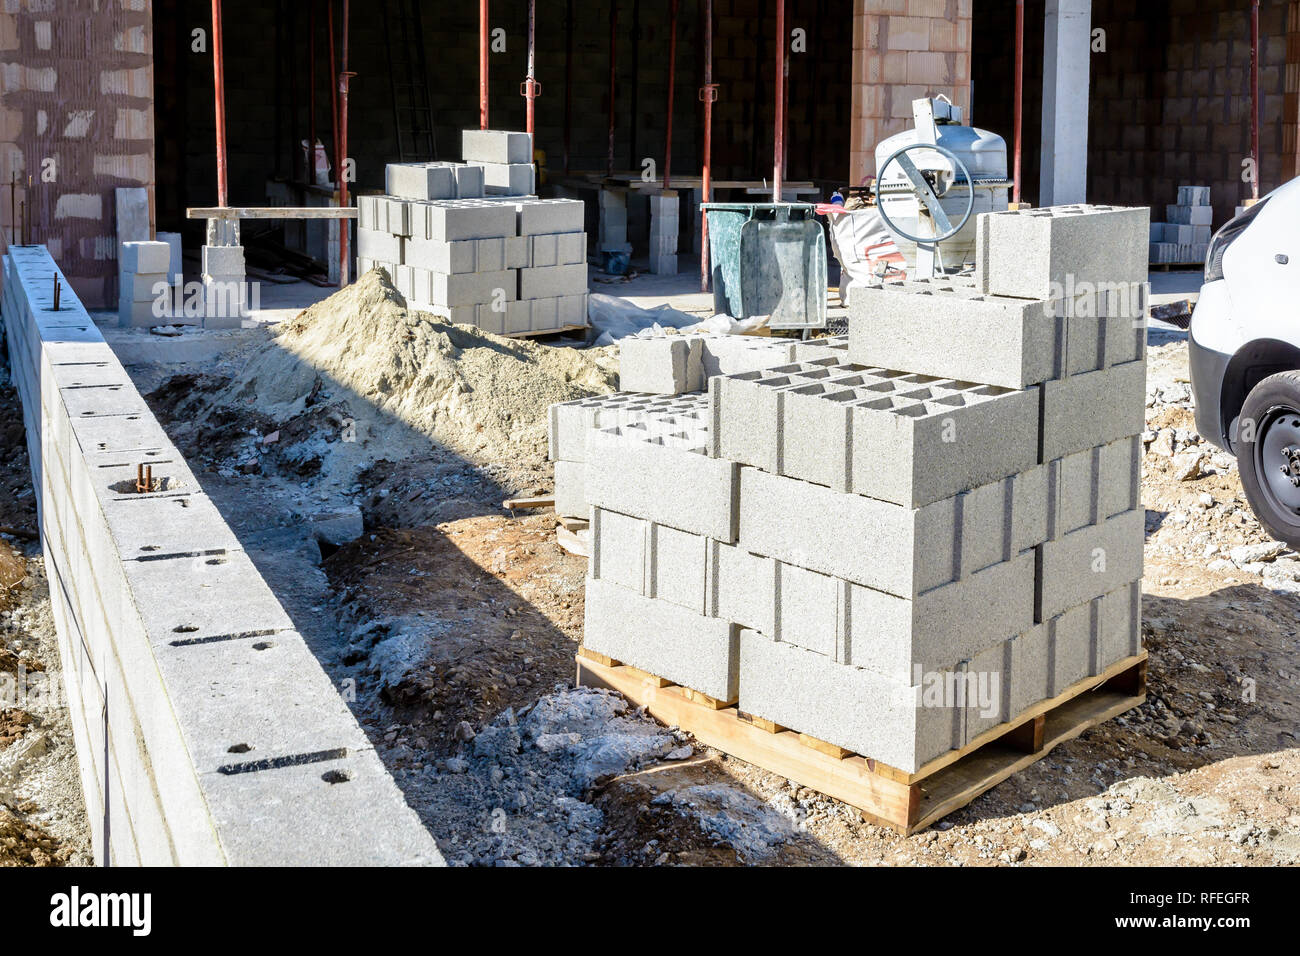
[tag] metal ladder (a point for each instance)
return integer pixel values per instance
(412, 109)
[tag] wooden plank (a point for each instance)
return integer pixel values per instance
(830, 750)
(596, 657)
(573, 524)
(1028, 737)
(540, 501)
(271, 212)
(761, 723)
(564, 329)
(704, 700)
(571, 542)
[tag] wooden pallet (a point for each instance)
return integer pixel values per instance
(905, 802)
(539, 333)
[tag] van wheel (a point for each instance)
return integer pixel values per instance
(1269, 458)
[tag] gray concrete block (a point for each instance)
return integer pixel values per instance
(909, 550)
(935, 328)
(986, 677)
(509, 179)
(1190, 215)
(541, 216)
(551, 281)
(830, 347)
(669, 641)
(619, 547)
(807, 692)
(420, 181)
(496, 146)
(570, 490)
(1095, 408)
(143, 286)
(225, 300)
(741, 587)
(808, 610)
(448, 257)
(664, 365)
(223, 260)
(455, 219)
(572, 310)
(899, 637)
(571, 421)
(1119, 626)
(517, 252)
(379, 246)
(1096, 484)
(909, 439)
(1089, 562)
(1193, 195)
(635, 471)
(1035, 253)
(1002, 519)
(676, 567)
(472, 288)
(571, 248)
(152, 257)
(735, 354)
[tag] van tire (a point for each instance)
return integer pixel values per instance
(1269, 426)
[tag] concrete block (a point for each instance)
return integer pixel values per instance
(938, 329)
(223, 260)
(517, 252)
(895, 637)
(676, 567)
(1096, 408)
(544, 314)
(806, 691)
(380, 246)
(1002, 519)
(175, 259)
(420, 181)
(831, 347)
(808, 610)
(741, 587)
(1089, 562)
(908, 552)
(1119, 626)
(619, 548)
(660, 637)
(571, 421)
(543, 250)
(570, 490)
(509, 179)
(1193, 195)
(143, 286)
(571, 248)
(1190, 215)
(1034, 253)
(986, 680)
(663, 365)
(909, 439)
(472, 288)
(455, 219)
(541, 216)
(571, 310)
(1029, 680)
(224, 302)
(496, 146)
(153, 257)
(138, 315)
(1095, 484)
(633, 470)
(552, 281)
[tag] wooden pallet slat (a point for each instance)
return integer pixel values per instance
(905, 802)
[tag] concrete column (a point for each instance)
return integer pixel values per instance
(1067, 38)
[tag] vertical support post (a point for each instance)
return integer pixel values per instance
(311, 92)
(779, 135)
(672, 70)
(219, 85)
(1019, 98)
(1254, 98)
(483, 64)
(345, 266)
(708, 93)
(531, 88)
(334, 91)
(1067, 40)
(568, 80)
(613, 63)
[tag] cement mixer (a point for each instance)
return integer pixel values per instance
(931, 183)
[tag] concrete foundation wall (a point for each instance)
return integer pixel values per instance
(206, 731)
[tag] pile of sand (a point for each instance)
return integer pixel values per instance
(410, 378)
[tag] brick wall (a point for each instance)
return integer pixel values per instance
(76, 114)
(1171, 101)
(903, 50)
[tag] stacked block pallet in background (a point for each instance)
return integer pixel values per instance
(905, 546)
(1185, 238)
(468, 242)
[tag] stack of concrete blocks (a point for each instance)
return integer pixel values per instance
(613, 222)
(1185, 238)
(142, 279)
(206, 731)
(662, 380)
(663, 233)
(225, 280)
(462, 242)
(898, 545)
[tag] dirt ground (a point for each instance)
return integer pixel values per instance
(42, 815)
(457, 623)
